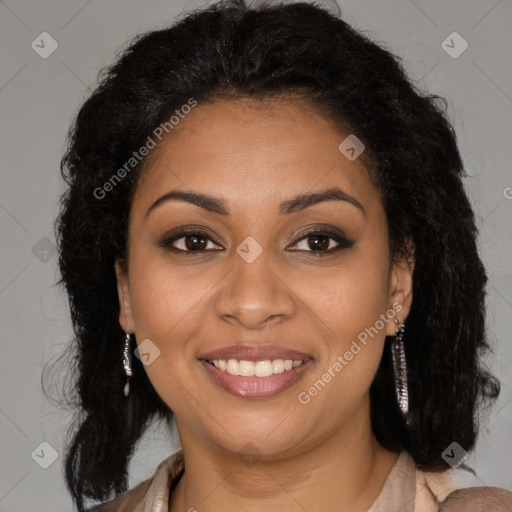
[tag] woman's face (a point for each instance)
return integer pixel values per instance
(249, 283)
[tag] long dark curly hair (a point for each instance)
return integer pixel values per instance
(230, 50)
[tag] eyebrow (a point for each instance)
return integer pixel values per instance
(295, 204)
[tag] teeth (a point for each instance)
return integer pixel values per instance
(246, 368)
(262, 368)
(259, 368)
(278, 366)
(232, 367)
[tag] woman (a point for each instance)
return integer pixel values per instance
(266, 237)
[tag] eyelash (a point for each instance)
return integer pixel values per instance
(342, 241)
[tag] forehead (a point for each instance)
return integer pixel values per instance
(250, 151)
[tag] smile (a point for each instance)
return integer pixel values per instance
(255, 368)
(255, 379)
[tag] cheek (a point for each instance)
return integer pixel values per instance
(168, 308)
(350, 297)
(352, 351)
(167, 311)
(351, 304)
(164, 297)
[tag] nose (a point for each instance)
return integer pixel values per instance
(255, 294)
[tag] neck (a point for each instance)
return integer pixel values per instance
(345, 471)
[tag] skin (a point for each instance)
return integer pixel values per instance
(254, 155)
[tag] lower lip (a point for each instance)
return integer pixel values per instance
(256, 387)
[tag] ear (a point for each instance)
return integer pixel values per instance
(123, 292)
(400, 288)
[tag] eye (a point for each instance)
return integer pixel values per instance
(189, 241)
(320, 242)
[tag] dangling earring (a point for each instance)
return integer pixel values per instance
(127, 363)
(400, 370)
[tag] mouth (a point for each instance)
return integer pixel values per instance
(255, 372)
(261, 369)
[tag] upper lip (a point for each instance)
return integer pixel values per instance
(254, 353)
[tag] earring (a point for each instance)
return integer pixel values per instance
(127, 363)
(400, 370)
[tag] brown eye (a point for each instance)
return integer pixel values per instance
(318, 242)
(321, 242)
(195, 242)
(189, 242)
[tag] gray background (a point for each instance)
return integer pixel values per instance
(38, 99)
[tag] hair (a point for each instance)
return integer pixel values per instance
(299, 50)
